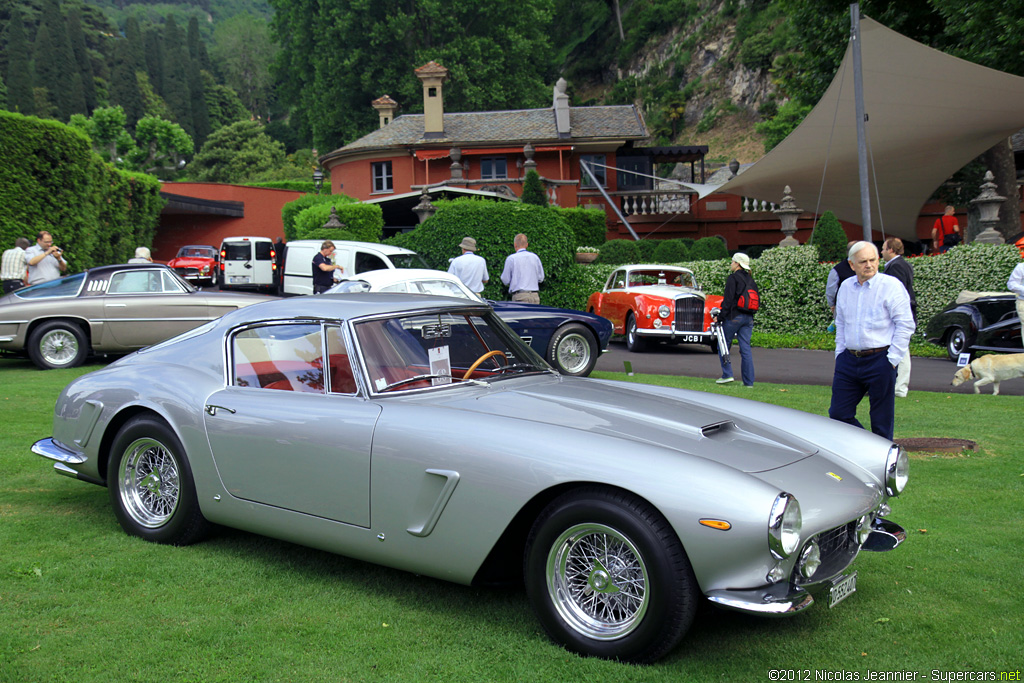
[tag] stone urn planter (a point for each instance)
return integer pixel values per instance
(586, 256)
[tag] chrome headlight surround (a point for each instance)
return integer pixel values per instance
(784, 524)
(664, 311)
(897, 471)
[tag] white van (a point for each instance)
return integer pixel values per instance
(248, 263)
(356, 257)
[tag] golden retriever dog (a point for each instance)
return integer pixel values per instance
(991, 370)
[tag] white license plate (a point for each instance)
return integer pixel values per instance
(842, 588)
(690, 338)
(239, 279)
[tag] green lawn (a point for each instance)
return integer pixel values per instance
(81, 601)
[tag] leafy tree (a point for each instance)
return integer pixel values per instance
(162, 146)
(19, 67)
(222, 103)
(782, 124)
(829, 238)
(235, 153)
(152, 103)
(498, 58)
(533, 190)
(244, 50)
(106, 129)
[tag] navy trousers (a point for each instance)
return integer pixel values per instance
(854, 377)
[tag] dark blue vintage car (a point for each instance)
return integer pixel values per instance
(569, 340)
(977, 321)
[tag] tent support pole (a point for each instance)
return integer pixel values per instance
(862, 145)
(586, 167)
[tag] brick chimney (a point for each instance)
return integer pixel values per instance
(561, 107)
(433, 76)
(386, 107)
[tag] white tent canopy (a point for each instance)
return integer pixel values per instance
(928, 114)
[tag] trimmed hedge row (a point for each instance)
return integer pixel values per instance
(50, 179)
(291, 210)
(363, 222)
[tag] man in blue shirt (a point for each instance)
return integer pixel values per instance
(873, 328)
(523, 273)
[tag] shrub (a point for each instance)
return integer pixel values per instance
(647, 249)
(587, 226)
(533, 190)
(708, 249)
(293, 208)
(494, 225)
(829, 238)
(671, 251)
(617, 252)
(363, 223)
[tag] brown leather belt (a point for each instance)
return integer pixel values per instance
(867, 352)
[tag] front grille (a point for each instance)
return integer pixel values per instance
(838, 548)
(689, 315)
(187, 272)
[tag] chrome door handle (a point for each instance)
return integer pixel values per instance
(212, 409)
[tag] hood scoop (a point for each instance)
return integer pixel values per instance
(716, 427)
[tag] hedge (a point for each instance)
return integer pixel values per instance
(50, 179)
(588, 226)
(363, 222)
(293, 208)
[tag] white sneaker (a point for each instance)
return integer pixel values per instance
(725, 380)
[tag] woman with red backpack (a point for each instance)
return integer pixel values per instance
(739, 304)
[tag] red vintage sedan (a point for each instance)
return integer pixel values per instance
(649, 302)
(197, 263)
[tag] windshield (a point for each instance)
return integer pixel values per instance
(196, 252)
(65, 286)
(674, 278)
(419, 351)
(412, 260)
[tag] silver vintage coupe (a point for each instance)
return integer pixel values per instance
(421, 433)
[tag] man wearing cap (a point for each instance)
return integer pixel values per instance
(469, 267)
(738, 319)
(873, 328)
(523, 272)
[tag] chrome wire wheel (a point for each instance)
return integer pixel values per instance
(573, 353)
(148, 483)
(597, 581)
(58, 347)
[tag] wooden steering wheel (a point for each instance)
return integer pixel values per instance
(481, 359)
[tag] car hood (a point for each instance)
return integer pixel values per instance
(189, 261)
(666, 291)
(679, 423)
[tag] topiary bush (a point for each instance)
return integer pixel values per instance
(533, 190)
(829, 238)
(671, 251)
(647, 248)
(708, 249)
(494, 225)
(293, 208)
(617, 252)
(588, 226)
(363, 222)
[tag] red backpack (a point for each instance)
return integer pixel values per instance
(749, 300)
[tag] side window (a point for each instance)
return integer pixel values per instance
(338, 364)
(597, 164)
(619, 280)
(135, 282)
(366, 261)
(170, 284)
(282, 357)
(382, 180)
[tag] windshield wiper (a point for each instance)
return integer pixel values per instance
(521, 367)
(417, 378)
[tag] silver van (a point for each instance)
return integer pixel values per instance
(356, 257)
(248, 263)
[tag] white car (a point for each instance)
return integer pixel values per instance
(569, 340)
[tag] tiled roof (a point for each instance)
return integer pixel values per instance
(536, 126)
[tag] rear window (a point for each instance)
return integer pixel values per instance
(264, 251)
(237, 251)
(408, 261)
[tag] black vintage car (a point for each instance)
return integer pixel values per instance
(977, 321)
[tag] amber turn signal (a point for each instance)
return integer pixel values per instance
(719, 524)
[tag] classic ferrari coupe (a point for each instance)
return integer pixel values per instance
(653, 303)
(420, 432)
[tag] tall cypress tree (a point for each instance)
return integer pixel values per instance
(77, 39)
(135, 50)
(124, 84)
(154, 51)
(200, 112)
(19, 67)
(176, 71)
(3, 94)
(55, 62)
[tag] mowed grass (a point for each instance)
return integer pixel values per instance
(81, 601)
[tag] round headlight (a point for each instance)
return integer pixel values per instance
(810, 560)
(664, 311)
(897, 470)
(657, 323)
(784, 524)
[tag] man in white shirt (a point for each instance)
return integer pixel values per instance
(873, 328)
(1016, 285)
(469, 267)
(12, 269)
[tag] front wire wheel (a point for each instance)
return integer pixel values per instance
(607, 576)
(149, 483)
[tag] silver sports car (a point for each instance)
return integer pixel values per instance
(421, 433)
(106, 310)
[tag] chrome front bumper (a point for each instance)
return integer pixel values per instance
(64, 457)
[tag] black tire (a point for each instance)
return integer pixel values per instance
(637, 610)
(573, 350)
(151, 486)
(957, 341)
(58, 344)
(634, 342)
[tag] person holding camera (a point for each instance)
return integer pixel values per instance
(44, 259)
